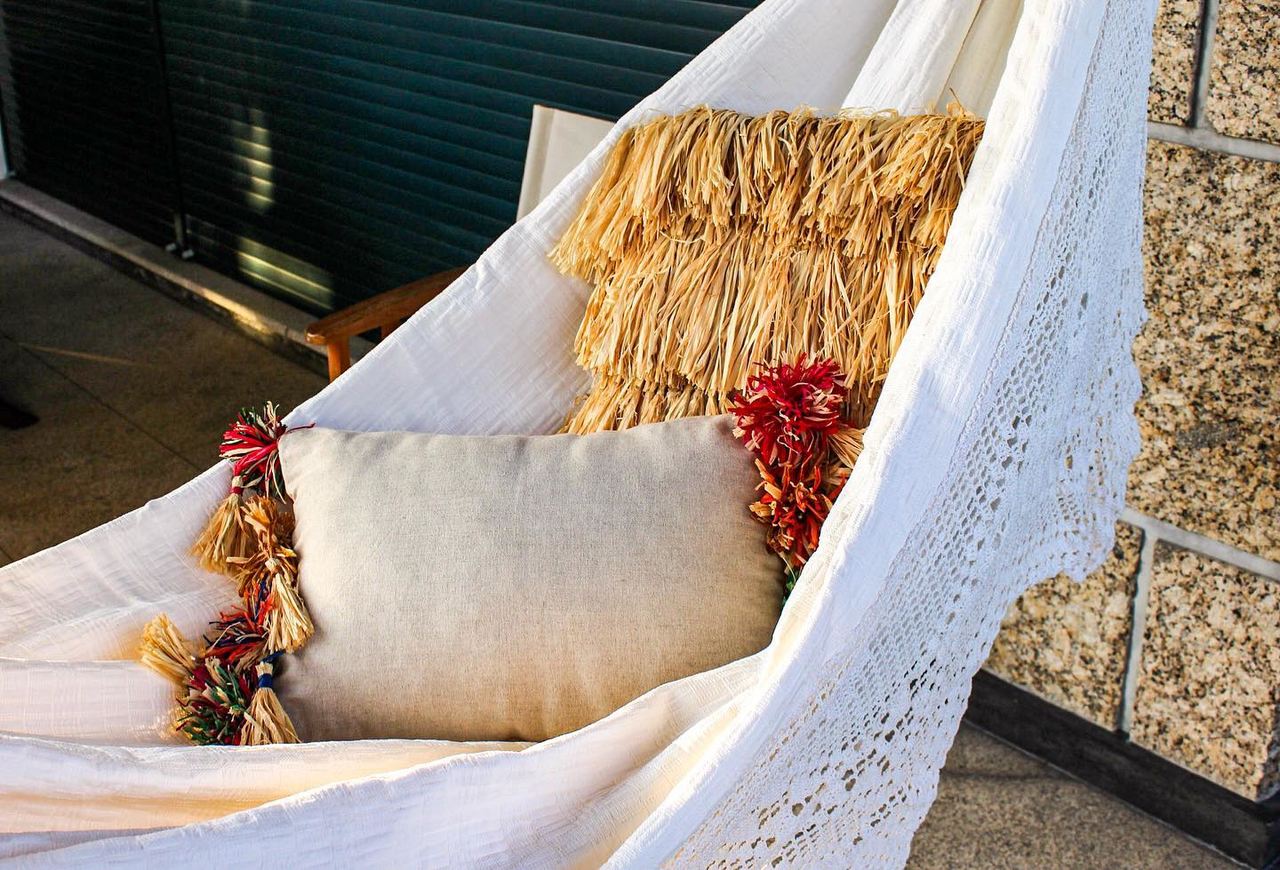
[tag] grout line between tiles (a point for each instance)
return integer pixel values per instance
(1206, 139)
(1204, 64)
(1202, 544)
(22, 348)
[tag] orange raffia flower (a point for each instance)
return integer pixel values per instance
(795, 510)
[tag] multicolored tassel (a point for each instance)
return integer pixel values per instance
(225, 691)
(269, 576)
(214, 706)
(251, 445)
(237, 638)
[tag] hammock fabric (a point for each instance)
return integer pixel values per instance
(995, 458)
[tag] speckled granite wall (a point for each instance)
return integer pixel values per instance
(1210, 461)
(1174, 60)
(1244, 79)
(1203, 687)
(1209, 686)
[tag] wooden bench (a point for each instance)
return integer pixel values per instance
(383, 312)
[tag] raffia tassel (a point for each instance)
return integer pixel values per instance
(226, 537)
(265, 720)
(271, 527)
(164, 650)
(288, 623)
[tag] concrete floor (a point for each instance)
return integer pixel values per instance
(133, 390)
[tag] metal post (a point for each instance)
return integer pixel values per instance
(164, 112)
(4, 164)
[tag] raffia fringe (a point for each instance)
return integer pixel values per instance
(718, 240)
(164, 650)
(620, 403)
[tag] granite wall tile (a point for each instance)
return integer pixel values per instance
(1209, 686)
(1068, 641)
(1173, 70)
(1244, 77)
(1210, 461)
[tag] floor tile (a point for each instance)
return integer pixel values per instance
(78, 467)
(997, 807)
(172, 371)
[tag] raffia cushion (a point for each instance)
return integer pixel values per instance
(508, 587)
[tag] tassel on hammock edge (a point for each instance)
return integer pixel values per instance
(288, 623)
(265, 719)
(225, 537)
(164, 650)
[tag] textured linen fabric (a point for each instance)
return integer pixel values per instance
(996, 458)
(518, 587)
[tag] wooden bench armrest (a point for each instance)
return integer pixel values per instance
(383, 312)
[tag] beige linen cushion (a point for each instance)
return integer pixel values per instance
(508, 587)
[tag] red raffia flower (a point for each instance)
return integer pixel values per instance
(795, 509)
(788, 416)
(788, 412)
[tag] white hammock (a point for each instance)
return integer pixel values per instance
(996, 458)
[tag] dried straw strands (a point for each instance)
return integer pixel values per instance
(718, 240)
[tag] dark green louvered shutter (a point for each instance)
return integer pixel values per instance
(83, 99)
(331, 149)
